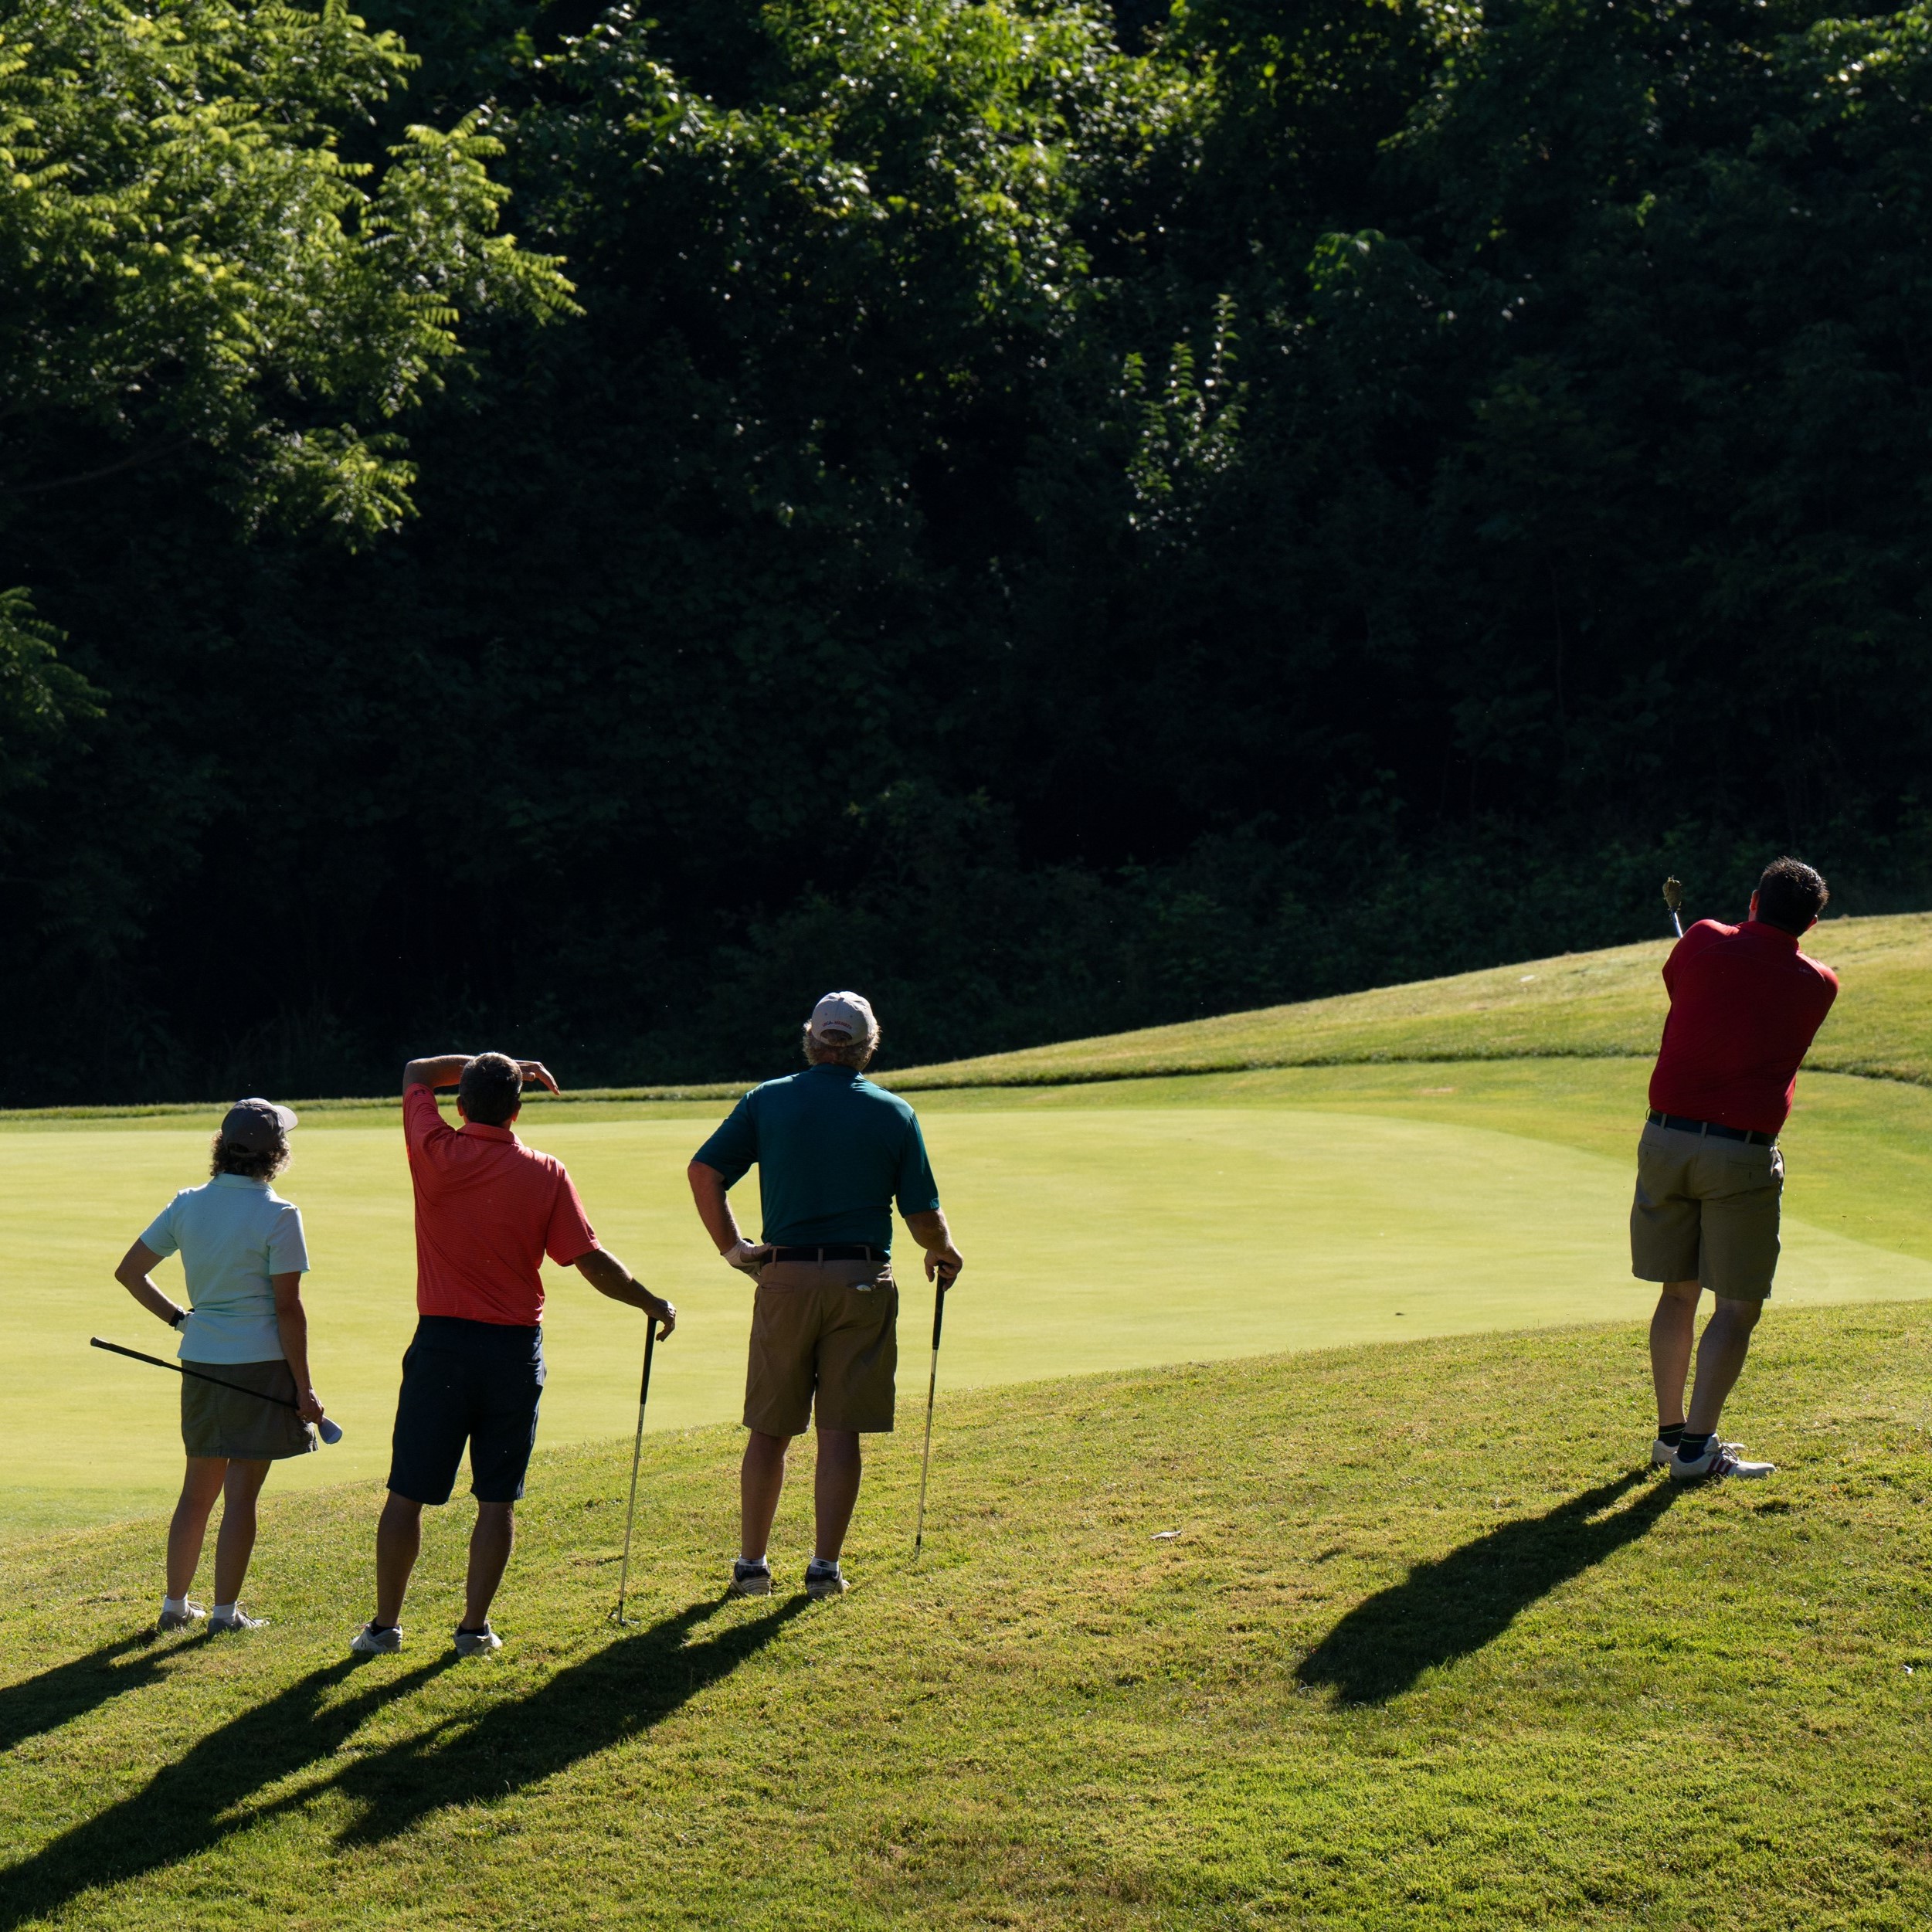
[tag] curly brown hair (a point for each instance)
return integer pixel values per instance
(855, 1054)
(227, 1157)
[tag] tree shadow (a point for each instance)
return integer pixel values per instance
(624, 1689)
(69, 1690)
(193, 1805)
(1448, 1608)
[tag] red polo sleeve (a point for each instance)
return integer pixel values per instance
(429, 1137)
(570, 1236)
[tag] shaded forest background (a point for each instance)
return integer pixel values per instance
(1059, 516)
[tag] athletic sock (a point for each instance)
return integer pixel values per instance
(225, 1610)
(1670, 1432)
(1692, 1447)
(173, 1606)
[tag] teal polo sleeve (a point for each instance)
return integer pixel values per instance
(733, 1148)
(159, 1233)
(918, 1192)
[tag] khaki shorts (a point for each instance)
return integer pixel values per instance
(1706, 1210)
(225, 1422)
(828, 1329)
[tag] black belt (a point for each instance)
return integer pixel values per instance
(1684, 1124)
(837, 1251)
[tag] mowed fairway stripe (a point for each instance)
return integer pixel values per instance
(1099, 1238)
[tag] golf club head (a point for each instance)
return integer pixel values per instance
(1674, 894)
(329, 1431)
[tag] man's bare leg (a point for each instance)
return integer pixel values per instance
(491, 1543)
(398, 1541)
(1671, 1330)
(1720, 1357)
(761, 1482)
(199, 1488)
(236, 1542)
(835, 1490)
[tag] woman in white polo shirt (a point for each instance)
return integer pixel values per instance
(241, 1252)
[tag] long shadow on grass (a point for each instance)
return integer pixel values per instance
(69, 1690)
(618, 1692)
(1445, 1610)
(202, 1798)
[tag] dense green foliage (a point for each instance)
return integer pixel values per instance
(1065, 517)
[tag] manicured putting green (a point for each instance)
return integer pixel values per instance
(1107, 1227)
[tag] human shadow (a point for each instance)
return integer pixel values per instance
(202, 1797)
(69, 1690)
(621, 1691)
(1448, 1608)
(210, 1793)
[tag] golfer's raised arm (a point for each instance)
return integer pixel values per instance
(442, 1069)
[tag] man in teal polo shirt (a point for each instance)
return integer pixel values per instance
(834, 1152)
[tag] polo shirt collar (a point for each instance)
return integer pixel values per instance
(478, 1131)
(1763, 930)
(236, 1180)
(832, 1066)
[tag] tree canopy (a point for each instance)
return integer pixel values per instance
(1060, 516)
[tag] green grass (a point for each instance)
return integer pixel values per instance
(1108, 1226)
(1428, 1650)
(1610, 1003)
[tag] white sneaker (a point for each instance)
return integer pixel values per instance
(751, 1579)
(1720, 1459)
(368, 1641)
(1663, 1454)
(240, 1620)
(824, 1579)
(477, 1643)
(186, 1618)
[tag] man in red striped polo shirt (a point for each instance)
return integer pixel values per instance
(488, 1210)
(1744, 1005)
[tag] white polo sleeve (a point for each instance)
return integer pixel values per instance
(287, 1252)
(159, 1233)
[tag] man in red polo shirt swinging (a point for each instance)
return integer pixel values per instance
(1744, 1005)
(487, 1210)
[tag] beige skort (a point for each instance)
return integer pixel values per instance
(828, 1329)
(1706, 1210)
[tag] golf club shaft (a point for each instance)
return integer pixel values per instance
(636, 1452)
(135, 1355)
(932, 1389)
(1678, 924)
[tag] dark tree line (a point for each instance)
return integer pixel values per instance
(1061, 517)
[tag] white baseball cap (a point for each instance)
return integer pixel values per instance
(840, 1018)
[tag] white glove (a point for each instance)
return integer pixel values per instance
(747, 1257)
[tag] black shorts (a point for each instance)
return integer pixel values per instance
(474, 1382)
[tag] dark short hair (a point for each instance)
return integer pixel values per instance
(1791, 894)
(491, 1090)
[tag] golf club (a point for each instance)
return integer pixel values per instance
(1674, 898)
(637, 1449)
(932, 1387)
(329, 1431)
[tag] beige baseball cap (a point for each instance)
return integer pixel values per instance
(840, 1018)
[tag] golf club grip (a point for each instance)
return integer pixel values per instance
(938, 1314)
(650, 1344)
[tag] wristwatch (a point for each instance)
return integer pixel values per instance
(180, 1319)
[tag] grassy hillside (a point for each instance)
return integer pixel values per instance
(1114, 1225)
(1591, 1003)
(1603, 1004)
(1391, 1638)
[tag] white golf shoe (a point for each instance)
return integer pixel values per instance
(824, 1579)
(751, 1579)
(239, 1620)
(1721, 1460)
(477, 1643)
(169, 1621)
(1663, 1454)
(369, 1642)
